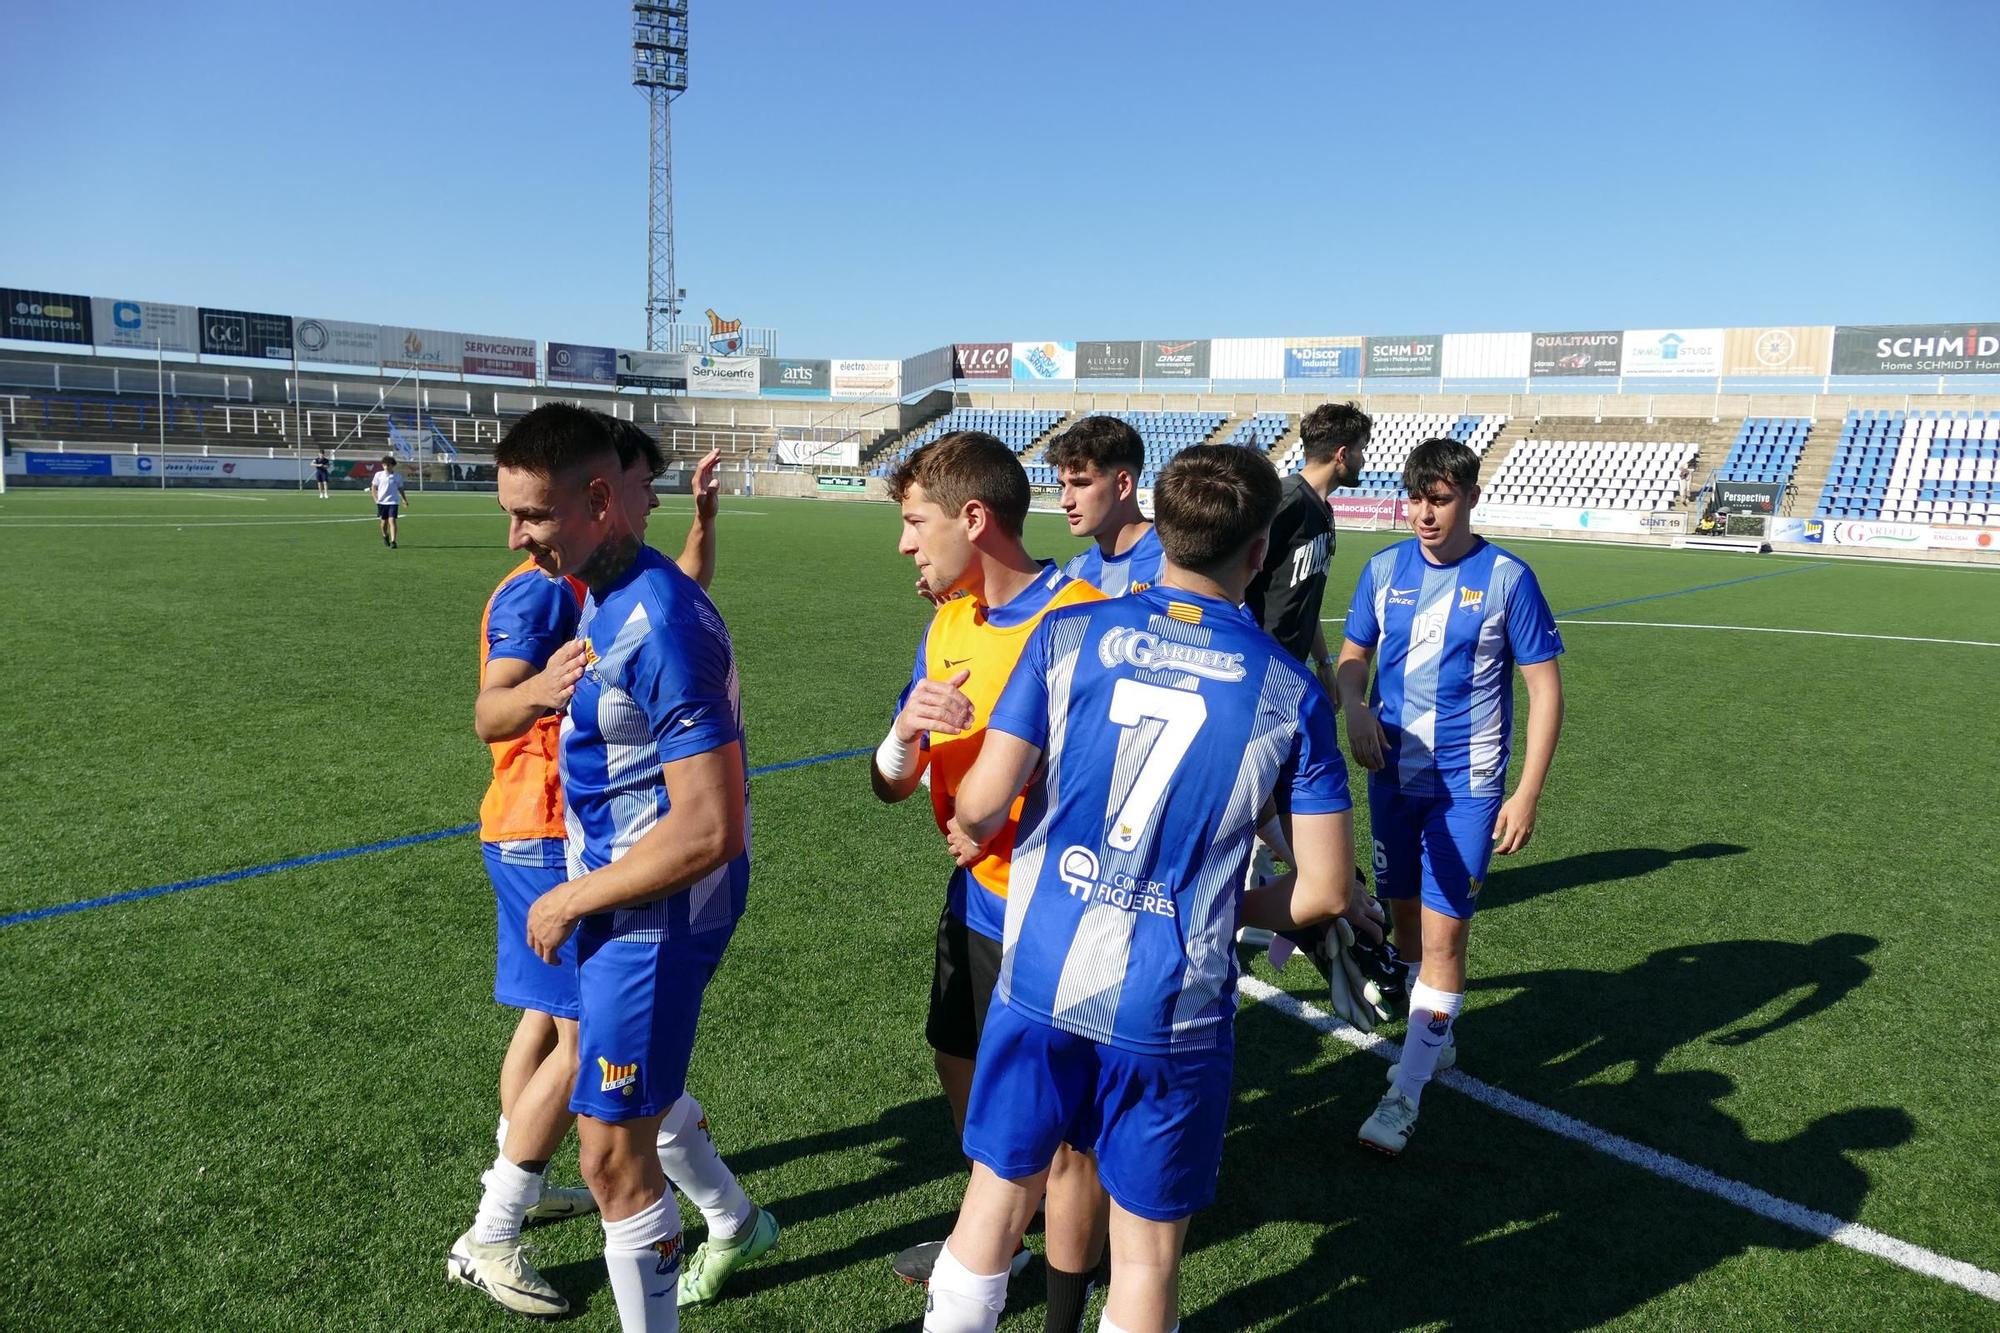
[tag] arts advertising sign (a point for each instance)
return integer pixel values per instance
(144, 325)
(788, 378)
(1595, 352)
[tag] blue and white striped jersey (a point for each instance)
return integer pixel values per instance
(1447, 639)
(659, 684)
(1116, 575)
(1165, 720)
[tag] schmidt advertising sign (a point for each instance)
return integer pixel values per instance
(1917, 349)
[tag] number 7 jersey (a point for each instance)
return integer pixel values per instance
(1165, 720)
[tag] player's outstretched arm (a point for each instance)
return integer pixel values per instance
(702, 830)
(1516, 822)
(1003, 768)
(1364, 730)
(1322, 886)
(933, 705)
(514, 694)
(697, 557)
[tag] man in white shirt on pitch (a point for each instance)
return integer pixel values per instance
(387, 488)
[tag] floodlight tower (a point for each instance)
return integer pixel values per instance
(660, 71)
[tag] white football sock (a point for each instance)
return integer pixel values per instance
(1432, 1012)
(1104, 1325)
(961, 1301)
(689, 1158)
(510, 1193)
(643, 1256)
(500, 1135)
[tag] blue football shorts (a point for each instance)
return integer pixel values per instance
(1154, 1122)
(523, 871)
(640, 998)
(1437, 846)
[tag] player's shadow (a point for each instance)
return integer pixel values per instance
(1506, 884)
(1489, 1222)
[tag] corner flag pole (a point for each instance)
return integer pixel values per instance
(160, 392)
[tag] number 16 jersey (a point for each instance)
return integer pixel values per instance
(1165, 719)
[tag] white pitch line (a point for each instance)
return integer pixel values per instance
(1811, 1221)
(1768, 629)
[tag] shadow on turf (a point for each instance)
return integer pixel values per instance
(1506, 884)
(1490, 1223)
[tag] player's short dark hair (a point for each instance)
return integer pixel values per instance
(556, 438)
(1101, 442)
(1211, 501)
(963, 466)
(388, 460)
(634, 445)
(1331, 427)
(1440, 459)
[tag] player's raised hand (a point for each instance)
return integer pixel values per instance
(707, 485)
(935, 705)
(1515, 825)
(963, 849)
(552, 686)
(924, 591)
(549, 924)
(1365, 740)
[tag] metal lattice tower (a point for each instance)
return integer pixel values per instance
(659, 70)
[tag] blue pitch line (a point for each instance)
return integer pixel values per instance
(320, 858)
(1682, 592)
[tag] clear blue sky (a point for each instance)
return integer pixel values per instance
(875, 179)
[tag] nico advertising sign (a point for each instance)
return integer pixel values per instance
(982, 361)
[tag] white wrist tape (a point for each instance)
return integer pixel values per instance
(896, 757)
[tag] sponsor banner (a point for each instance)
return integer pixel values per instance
(1044, 361)
(1746, 497)
(787, 378)
(1536, 518)
(44, 317)
(820, 453)
(1594, 352)
(982, 361)
(337, 341)
(1412, 355)
(1690, 352)
(1663, 522)
(1793, 529)
(1486, 356)
(143, 324)
(723, 374)
(1248, 358)
(1357, 508)
(423, 349)
(238, 469)
(866, 379)
(1965, 539)
(1916, 349)
(651, 370)
(1187, 360)
(67, 465)
(1786, 350)
(1849, 532)
(1107, 361)
(505, 358)
(1321, 359)
(846, 484)
(580, 363)
(245, 333)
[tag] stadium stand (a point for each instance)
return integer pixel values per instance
(1164, 433)
(1767, 449)
(1261, 431)
(1915, 467)
(1395, 434)
(1019, 429)
(1592, 474)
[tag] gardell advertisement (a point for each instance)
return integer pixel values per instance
(1044, 361)
(1184, 360)
(246, 333)
(1322, 359)
(1917, 349)
(1673, 352)
(652, 370)
(1788, 350)
(1412, 355)
(723, 375)
(44, 317)
(143, 325)
(506, 358)
(337, 341)
(580, 363)
(1107, 360)
(982, 361)
(1588, 353)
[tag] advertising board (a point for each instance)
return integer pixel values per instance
(143, 325)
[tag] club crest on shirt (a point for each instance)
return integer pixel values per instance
(1471, 599)
(617, 1076)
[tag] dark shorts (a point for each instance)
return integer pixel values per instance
(386, 511)
(319, 474)
(962, 982)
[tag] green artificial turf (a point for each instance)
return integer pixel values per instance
(1754, 931)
